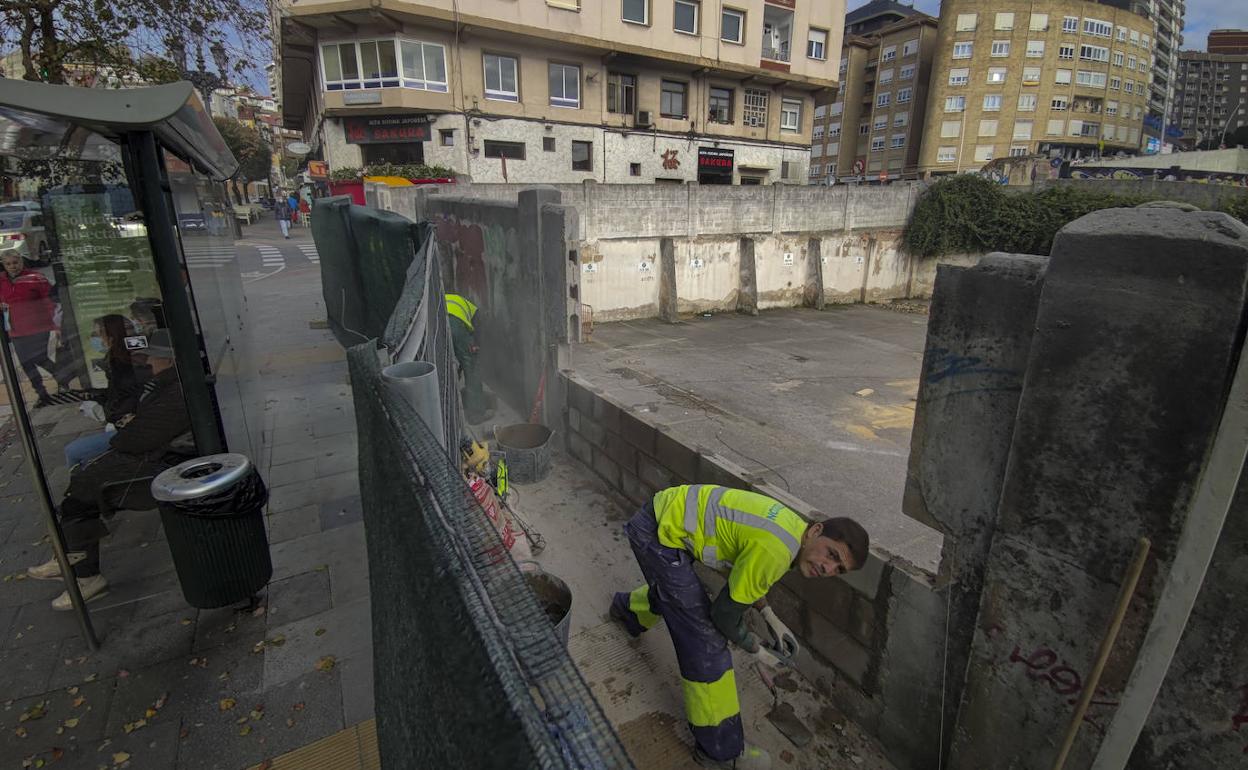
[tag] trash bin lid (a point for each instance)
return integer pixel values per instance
(200, 477)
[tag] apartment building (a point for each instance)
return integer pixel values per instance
(559, 90)
(1211, 96)
(1167, 17)
(1060, 78)
(874, 127)
(1232, 41)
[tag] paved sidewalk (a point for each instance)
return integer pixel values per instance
(173, 687)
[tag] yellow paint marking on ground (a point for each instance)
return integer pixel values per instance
(883, 417)
(861, 431)
(354, 748)
(911, 386)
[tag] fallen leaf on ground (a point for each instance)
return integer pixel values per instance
(265, 765)
(320, 632)
(290, 723)
(298, 706)
(161, 701)
(39, 762)
(120, 757)
(20, 732)
(257, 714)
(185, 731)
(36, 711)
(57, 752)
(257, 612)
(326, 663)
(60, 729)
(185, 621)
(71, 723)
(149, 713)
(227, 704)
(244, 730)
(79, 701)
(72, 691)
(240, 721)
(91, 678)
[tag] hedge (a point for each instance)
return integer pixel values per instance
(971, 214)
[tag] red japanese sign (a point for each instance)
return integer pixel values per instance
(385, 129)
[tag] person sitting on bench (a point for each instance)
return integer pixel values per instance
(141, 448)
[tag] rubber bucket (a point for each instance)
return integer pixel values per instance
(526, 448)
(554, 597)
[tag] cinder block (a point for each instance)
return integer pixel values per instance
(621, 452)
(838, 648)
(606, 414)
(592, 431)
(862, 620)
(637, 432)
(579, 395)
(636, 492)
(653, 474)
(830, 598)
(579, 448)
(605, 467)
(790, 608)
(678, 458)
(574, 420)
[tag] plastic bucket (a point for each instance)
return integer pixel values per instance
(526, 447)
(554, 597)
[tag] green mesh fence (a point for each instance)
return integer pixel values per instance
(340, 278)
(469, 672)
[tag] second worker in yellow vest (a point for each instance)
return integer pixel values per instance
(462, 315)
(759, 539)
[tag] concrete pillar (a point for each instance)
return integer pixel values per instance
(747, 294)
(668, 298)
(979, 335)
(1137, 331)
(814, 296)
(560, 266)
(547, 306)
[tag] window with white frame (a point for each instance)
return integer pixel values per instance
(1027, 102)
(889, 53)
(955, 104)
(1000, 48)
(946, 154)
(1111, 108)
(837, 108)
(877, 143)
(1145, 41)
(1039, 22)
(1055, 128)
(820, 111)
(791, 115)
(1090, 79)
(1031, 76)
(987, 128)
(1062, 77)
(732, 25)
(992, 102)
(1098, 28)
(755, 108)
(817, 44)
(983, 152)
(1118, 58)
(1129, 86)
(501, 82)
(966, 22)
(1059, 104)
(1004, 21)
(1065, 51)
(817, 132)
(909, 48)
(834, 130)
(816, 169)
(565, 85)
(1018, 151)
(899, 140)
(963, 50)
(635, 11)
(959, 76)
(904, 95)
(996, 74)
(900, 119)
(883, 100)
(1115, 84)
(1022, 129)
(864, 129)
(685, 16)
(881, 123)
(1093, 53)
(950, 129)
(1135, 37)
(386, 63)
(906, 73)
(1070, 24)
(1075, 128)
(886, 76)
(834, 148)
(1035, 49)
(719, 105)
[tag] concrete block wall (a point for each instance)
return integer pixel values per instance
(870, 639)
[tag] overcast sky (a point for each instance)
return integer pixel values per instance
(1202, 16)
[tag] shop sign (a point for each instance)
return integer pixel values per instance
(713, 161)
(385, 129)
(670, 160)
(318, 169)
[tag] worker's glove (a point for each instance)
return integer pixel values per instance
(786, 640)
(764, 653)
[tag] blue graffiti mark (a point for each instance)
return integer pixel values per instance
(945, 364)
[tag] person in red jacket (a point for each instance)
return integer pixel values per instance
(25, 299)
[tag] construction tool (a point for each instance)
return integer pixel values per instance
(782, 715)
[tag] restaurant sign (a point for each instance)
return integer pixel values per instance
(713, 161)
(385, 129)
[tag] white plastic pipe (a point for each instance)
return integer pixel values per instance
(416, 382)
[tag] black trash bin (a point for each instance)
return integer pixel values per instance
(212, 509)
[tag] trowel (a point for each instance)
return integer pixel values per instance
(782, 714)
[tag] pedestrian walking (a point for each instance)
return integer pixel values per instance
(281, 210)
(26, 301)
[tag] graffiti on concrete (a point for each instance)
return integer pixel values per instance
(946, 364)
(1173, 174)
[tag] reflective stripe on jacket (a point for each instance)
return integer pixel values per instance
(461, 308)
(758, 536)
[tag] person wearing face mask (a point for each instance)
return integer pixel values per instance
(114, 405)
(26, 301)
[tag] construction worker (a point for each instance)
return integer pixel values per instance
(463, 335)
(760, 539)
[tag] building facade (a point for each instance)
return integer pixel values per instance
(1211, 99)
(560, 91)
(1167, 17)
(1229, 41)
(874, 128)
(1059, 78)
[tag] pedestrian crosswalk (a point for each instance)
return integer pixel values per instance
(309, 252)
(207, 252)
(270, 256)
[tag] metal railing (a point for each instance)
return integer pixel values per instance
(776, 54)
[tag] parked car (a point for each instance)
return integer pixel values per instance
(22, 231)
(12, 206)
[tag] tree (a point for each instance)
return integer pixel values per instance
(51, 35)
(254, 156)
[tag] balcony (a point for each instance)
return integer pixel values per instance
(777, 34)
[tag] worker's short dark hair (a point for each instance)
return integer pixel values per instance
(850, 533)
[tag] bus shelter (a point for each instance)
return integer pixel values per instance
(122, 340)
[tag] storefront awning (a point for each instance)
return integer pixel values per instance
(41, 120)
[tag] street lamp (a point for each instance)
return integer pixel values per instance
(1227, 123)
